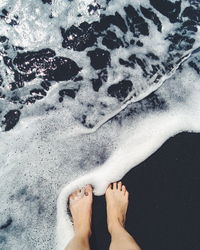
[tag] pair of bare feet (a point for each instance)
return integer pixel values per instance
(80, 204)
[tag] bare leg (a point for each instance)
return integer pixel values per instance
(80, 204)
(117, 204)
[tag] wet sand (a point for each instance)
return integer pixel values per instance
(164, 202)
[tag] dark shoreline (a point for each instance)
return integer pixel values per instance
(164, 202)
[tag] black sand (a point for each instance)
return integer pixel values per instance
(164, 203)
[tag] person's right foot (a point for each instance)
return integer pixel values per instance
(80, 204)
(117, 204)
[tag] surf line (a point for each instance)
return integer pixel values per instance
(157, 78)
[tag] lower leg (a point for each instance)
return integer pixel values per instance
(117, 204)
(121, 239)
(79, 242)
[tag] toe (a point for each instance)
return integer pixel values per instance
(88, 190)
(77, 192)
(127, 194)
(114, 185)
(119, 185)
(123, 189)
(109, 188)
(71, 197)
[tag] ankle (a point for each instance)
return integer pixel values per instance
(83, 233)
(115, 226)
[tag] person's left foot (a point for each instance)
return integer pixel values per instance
(80, 205)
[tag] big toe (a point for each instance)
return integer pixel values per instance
(88, 190)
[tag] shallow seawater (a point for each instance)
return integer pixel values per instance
(88, 90)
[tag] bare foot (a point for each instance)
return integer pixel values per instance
(117, 204)
(80, 205)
